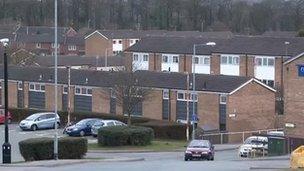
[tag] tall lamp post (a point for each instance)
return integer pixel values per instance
(194, 115)
(56, 86)
(6, 147)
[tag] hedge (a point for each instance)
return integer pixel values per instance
(167, 130)
(43, 148)
(125, 135)
(20, 114)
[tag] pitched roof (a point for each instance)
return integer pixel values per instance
(48, 61)
(34, 30)
(209, 83)
(137, 34)
(49, 38)
(285, 34)
(254, 45)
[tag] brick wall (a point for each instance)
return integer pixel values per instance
(215, 64)
(50, 99)
(243, 65)
(188, 63)
(12, 94)
(254, 108)
(26, 94)
(173, 105)
(208, 110)
(98, 45)
(278, 71)
(100, 100)
(181, 66)
(294, 98)
(152, 105)
(152, 62)
(128, 60)
(250, 66)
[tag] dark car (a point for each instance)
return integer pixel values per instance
(82, 127)
(199, 149)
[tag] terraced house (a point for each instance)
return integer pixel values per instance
(226, 103)
(258, 57)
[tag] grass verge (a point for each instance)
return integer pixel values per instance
(156, 145)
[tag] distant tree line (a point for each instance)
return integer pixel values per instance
(239, 16)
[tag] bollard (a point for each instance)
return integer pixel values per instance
(221, 138)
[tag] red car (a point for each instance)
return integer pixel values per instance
(2, 117)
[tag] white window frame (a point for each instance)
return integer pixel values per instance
(135, 57)
(190, 95)
(267, 82)
(38, 45)
(175, 59)
(65, 87)
(20, 87)
(165, 57)
(38, 87)
(53, 45)
(145, 57)
(222, 97)
(230, 60)
(166, 94)
(72, 47)
(86, 92)
(264, 61)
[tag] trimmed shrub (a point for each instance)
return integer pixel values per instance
(166, 130)
(43, 148)
(20, 114)
(125, 135)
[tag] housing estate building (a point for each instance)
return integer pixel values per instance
(294, 96)
(226, 103)
(40, 40)
(259, 57)
(112, 42)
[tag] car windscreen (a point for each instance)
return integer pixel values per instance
(199, 144)
(82, 122)
(98, 123)
(255, 141)
(31, 118)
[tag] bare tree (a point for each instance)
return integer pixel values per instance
(128, 92)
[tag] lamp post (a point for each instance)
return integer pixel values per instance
(56, 86)
(6, 147)
(193, 83)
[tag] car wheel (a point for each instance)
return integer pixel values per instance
(186, 159)
(81, 133)
(34, 127)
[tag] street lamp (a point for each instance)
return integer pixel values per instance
(193, 83)
(6, 147)
(56, 86)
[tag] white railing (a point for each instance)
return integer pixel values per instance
(243, 133)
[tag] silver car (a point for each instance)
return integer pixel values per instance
(105, 123)
(36, 121)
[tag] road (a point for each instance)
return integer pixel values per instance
(154, 161)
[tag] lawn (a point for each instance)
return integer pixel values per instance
(156, 145)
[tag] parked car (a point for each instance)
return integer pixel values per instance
(253, 142)
(105, 123)
(37, 121)
(199, 149)
(2, 118)
(82, 127)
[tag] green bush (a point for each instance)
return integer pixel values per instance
(43, 148)
(125, 135)
(166, 130)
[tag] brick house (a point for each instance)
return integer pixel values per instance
(112, 42)
(259, 57)
(293, 96)
(226, 103)
(40, 40)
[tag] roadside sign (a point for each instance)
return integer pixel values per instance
(301, 70)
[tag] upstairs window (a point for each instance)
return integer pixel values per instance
(135, 57)
(165, 59)
(230, 60)
(146, 58)
(38, 45)
(84, 91)
(165, 94)
(264, 61)
(223, 99)
(175, 59)
(38, 87)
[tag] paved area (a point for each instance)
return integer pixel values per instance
(16, 135)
